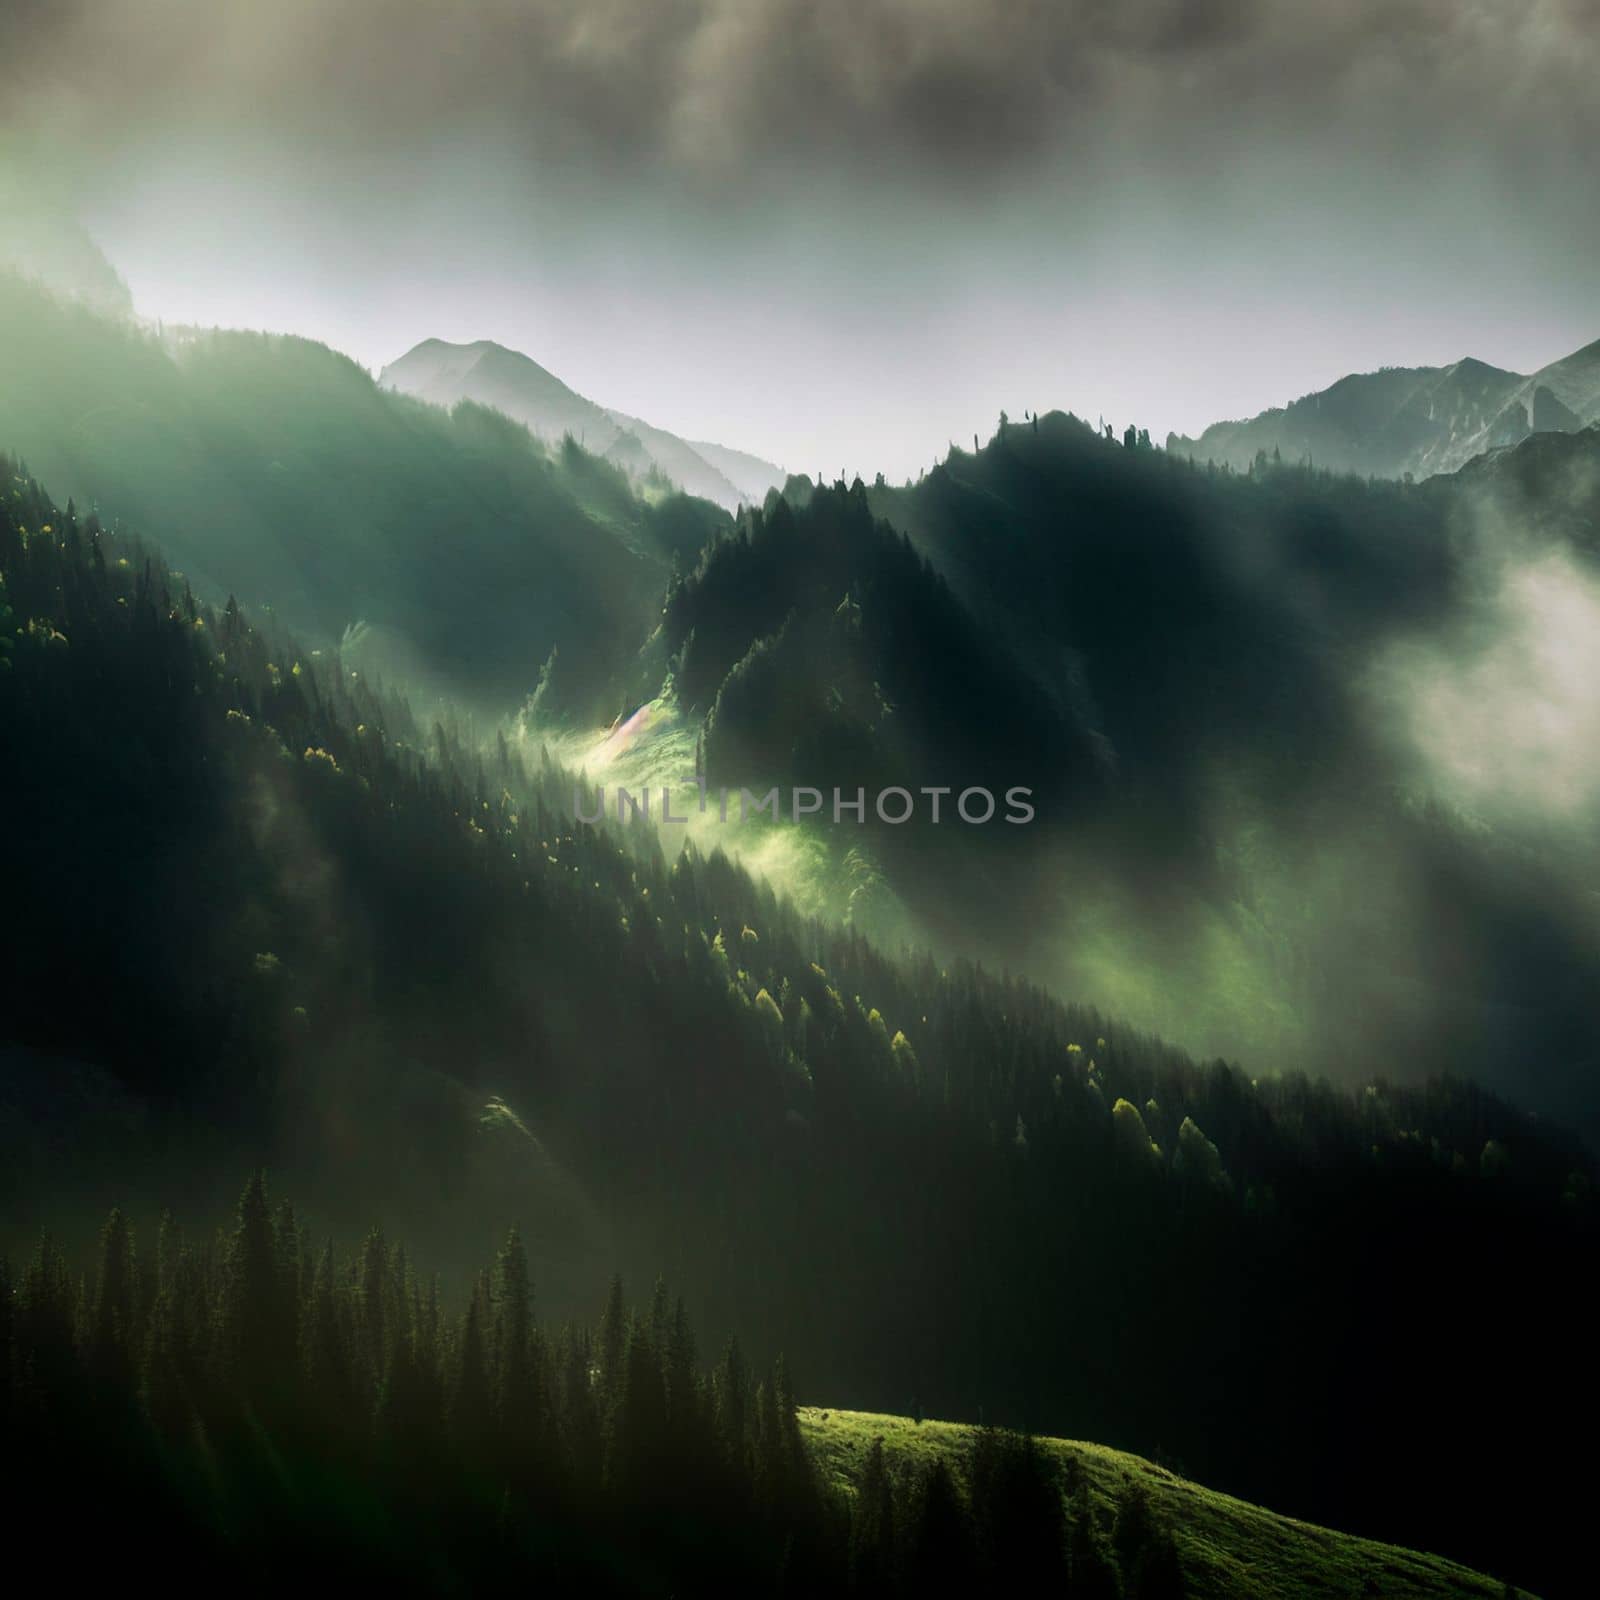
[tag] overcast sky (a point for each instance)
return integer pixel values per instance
(842, 233)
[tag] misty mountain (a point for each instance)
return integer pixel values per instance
(49, 246)
(1416, 420)
(742, 468)
(463, 550)
(1236, 696)
(445, 374)
(321, 935)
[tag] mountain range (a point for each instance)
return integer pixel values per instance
(1412, 420)
(280, 472)
(1314, 797)
(445, 374)
(330, 936)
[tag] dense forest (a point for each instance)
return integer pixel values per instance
(256, 1398)
(308, 929)
(1241, 699)
(585, 1011)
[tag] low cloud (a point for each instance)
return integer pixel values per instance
(1506, 712)
(755, 88)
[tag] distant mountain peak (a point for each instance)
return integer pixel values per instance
(1417, 420)
(1472, 367)
(508, 380)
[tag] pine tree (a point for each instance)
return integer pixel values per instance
(790, 1444)
(44, 1352)
(288, 1242)
(1161, 1571)
(940, 1557)
(1016, 1511)
(660, 1316)
(683, 1383)
(768, 1455)
(167, 1245)
(1145, 1549)
(519, 1397)
(373, 1307)
(731, 1388)
(472, 1403)
(640, 1453)
(583, 1445)
(249, 1346)
(323, 1356)
(612, 1345)
(110, 1356)
(1091, 1569)
(176, 1352)
(407, 1419)
(872, 1531)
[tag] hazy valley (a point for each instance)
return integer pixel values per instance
(1237, 1111)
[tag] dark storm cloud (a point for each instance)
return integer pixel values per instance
(1204, 207)
(744, 92)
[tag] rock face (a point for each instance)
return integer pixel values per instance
(513, 383)
(1418, 420)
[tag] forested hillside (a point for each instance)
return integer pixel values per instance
(275, 469)
(1007, 1021)
(317, 933)
(1160, 1531)
(1306, 750)
(257, 1399)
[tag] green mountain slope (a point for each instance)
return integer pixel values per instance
(1260, 788)
(320, 932)
(1229, 1549)
(280, 472)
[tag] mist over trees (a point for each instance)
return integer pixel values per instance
(1205, 675)
(415, 1180)
(323, 935)
(1259, 792)
(277, 470)
(258, 1399)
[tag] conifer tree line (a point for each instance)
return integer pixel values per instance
(260, 1397)
(316, 918)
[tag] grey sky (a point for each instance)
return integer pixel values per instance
(843, 234)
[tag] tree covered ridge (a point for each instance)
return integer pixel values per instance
(1218, 686)
(822, 647)
(292, 900)
(256, 1398)
(95, 628)
(275, 468)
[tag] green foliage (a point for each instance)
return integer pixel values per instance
(447, 1462)
(1255, 862)
(880, 688)
(276, 469)
(1132, 1136)
(1128, 1527)
(1197, 1159)
(443, 933)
